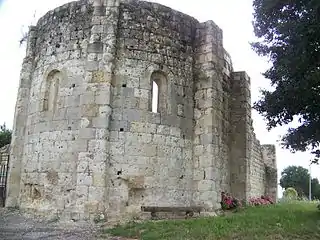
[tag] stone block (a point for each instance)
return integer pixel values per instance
(119, 126)
(143, 127)
(85, 156)
(206, 139)
(114, 136)
(98, 180)
(96, 29)
(87, 133)
(96, 47)
(141, 93)
(198, 150)
(97, 146)
(132, 115)
(138, 138)
(100, 122)
(92, 65)
(85, 122)
(136, 182)
(102, 133)
(144, 104)
(116, 148)
(103, 97)
(159, 139)
(84, 179)
(142, 150)
(128, 92)
(206, 161)
(79, 145)
(206, 185)
(87, 98)
(105, 111)
(89, 110)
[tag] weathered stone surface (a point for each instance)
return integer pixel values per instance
(87, 139)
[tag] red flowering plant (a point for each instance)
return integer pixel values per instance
(228, 202)
(263, 200)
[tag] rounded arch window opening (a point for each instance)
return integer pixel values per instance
(159, 93)
(155, 97)
(52, 84)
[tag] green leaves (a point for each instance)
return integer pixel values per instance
(298, 178)
(5, 135)
(289, 35)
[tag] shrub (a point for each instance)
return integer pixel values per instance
(263, 200)
(228, 202)
(318, 206)
(290, 194)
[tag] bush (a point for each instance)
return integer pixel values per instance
(290, 194)
(318, 206)
(263, 200)
(228, 202)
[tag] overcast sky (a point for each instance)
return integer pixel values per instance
(233, 16)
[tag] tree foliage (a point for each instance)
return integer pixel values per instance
(290, 194)
(289, 35)
(5, 135)
(298, 178)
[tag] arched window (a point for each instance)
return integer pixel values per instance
(159, 92)
(51, 91)
(155, 97)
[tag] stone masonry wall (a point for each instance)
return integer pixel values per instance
(86, 139)
(257, 170)
(241, 136)
(252, 165)
(211, 114)
(269, 157)
(53, 139)
(19, 124)
(262, 175)
(151, 153)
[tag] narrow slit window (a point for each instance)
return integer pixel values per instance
(158, 101)
(51, 90)
(155, 97)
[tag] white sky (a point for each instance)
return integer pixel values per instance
(233, 16)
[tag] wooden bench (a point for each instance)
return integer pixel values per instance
(189, 211)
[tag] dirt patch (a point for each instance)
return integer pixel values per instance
(16, 226)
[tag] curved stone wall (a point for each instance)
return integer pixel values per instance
(154, 43)
(52, 135)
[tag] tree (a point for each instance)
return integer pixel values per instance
(290, 194)
(315, 188)
(289, 36)
(5, 135)
(298, 178)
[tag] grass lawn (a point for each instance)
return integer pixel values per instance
(294, 221)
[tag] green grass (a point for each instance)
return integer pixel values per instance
(294, 221)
